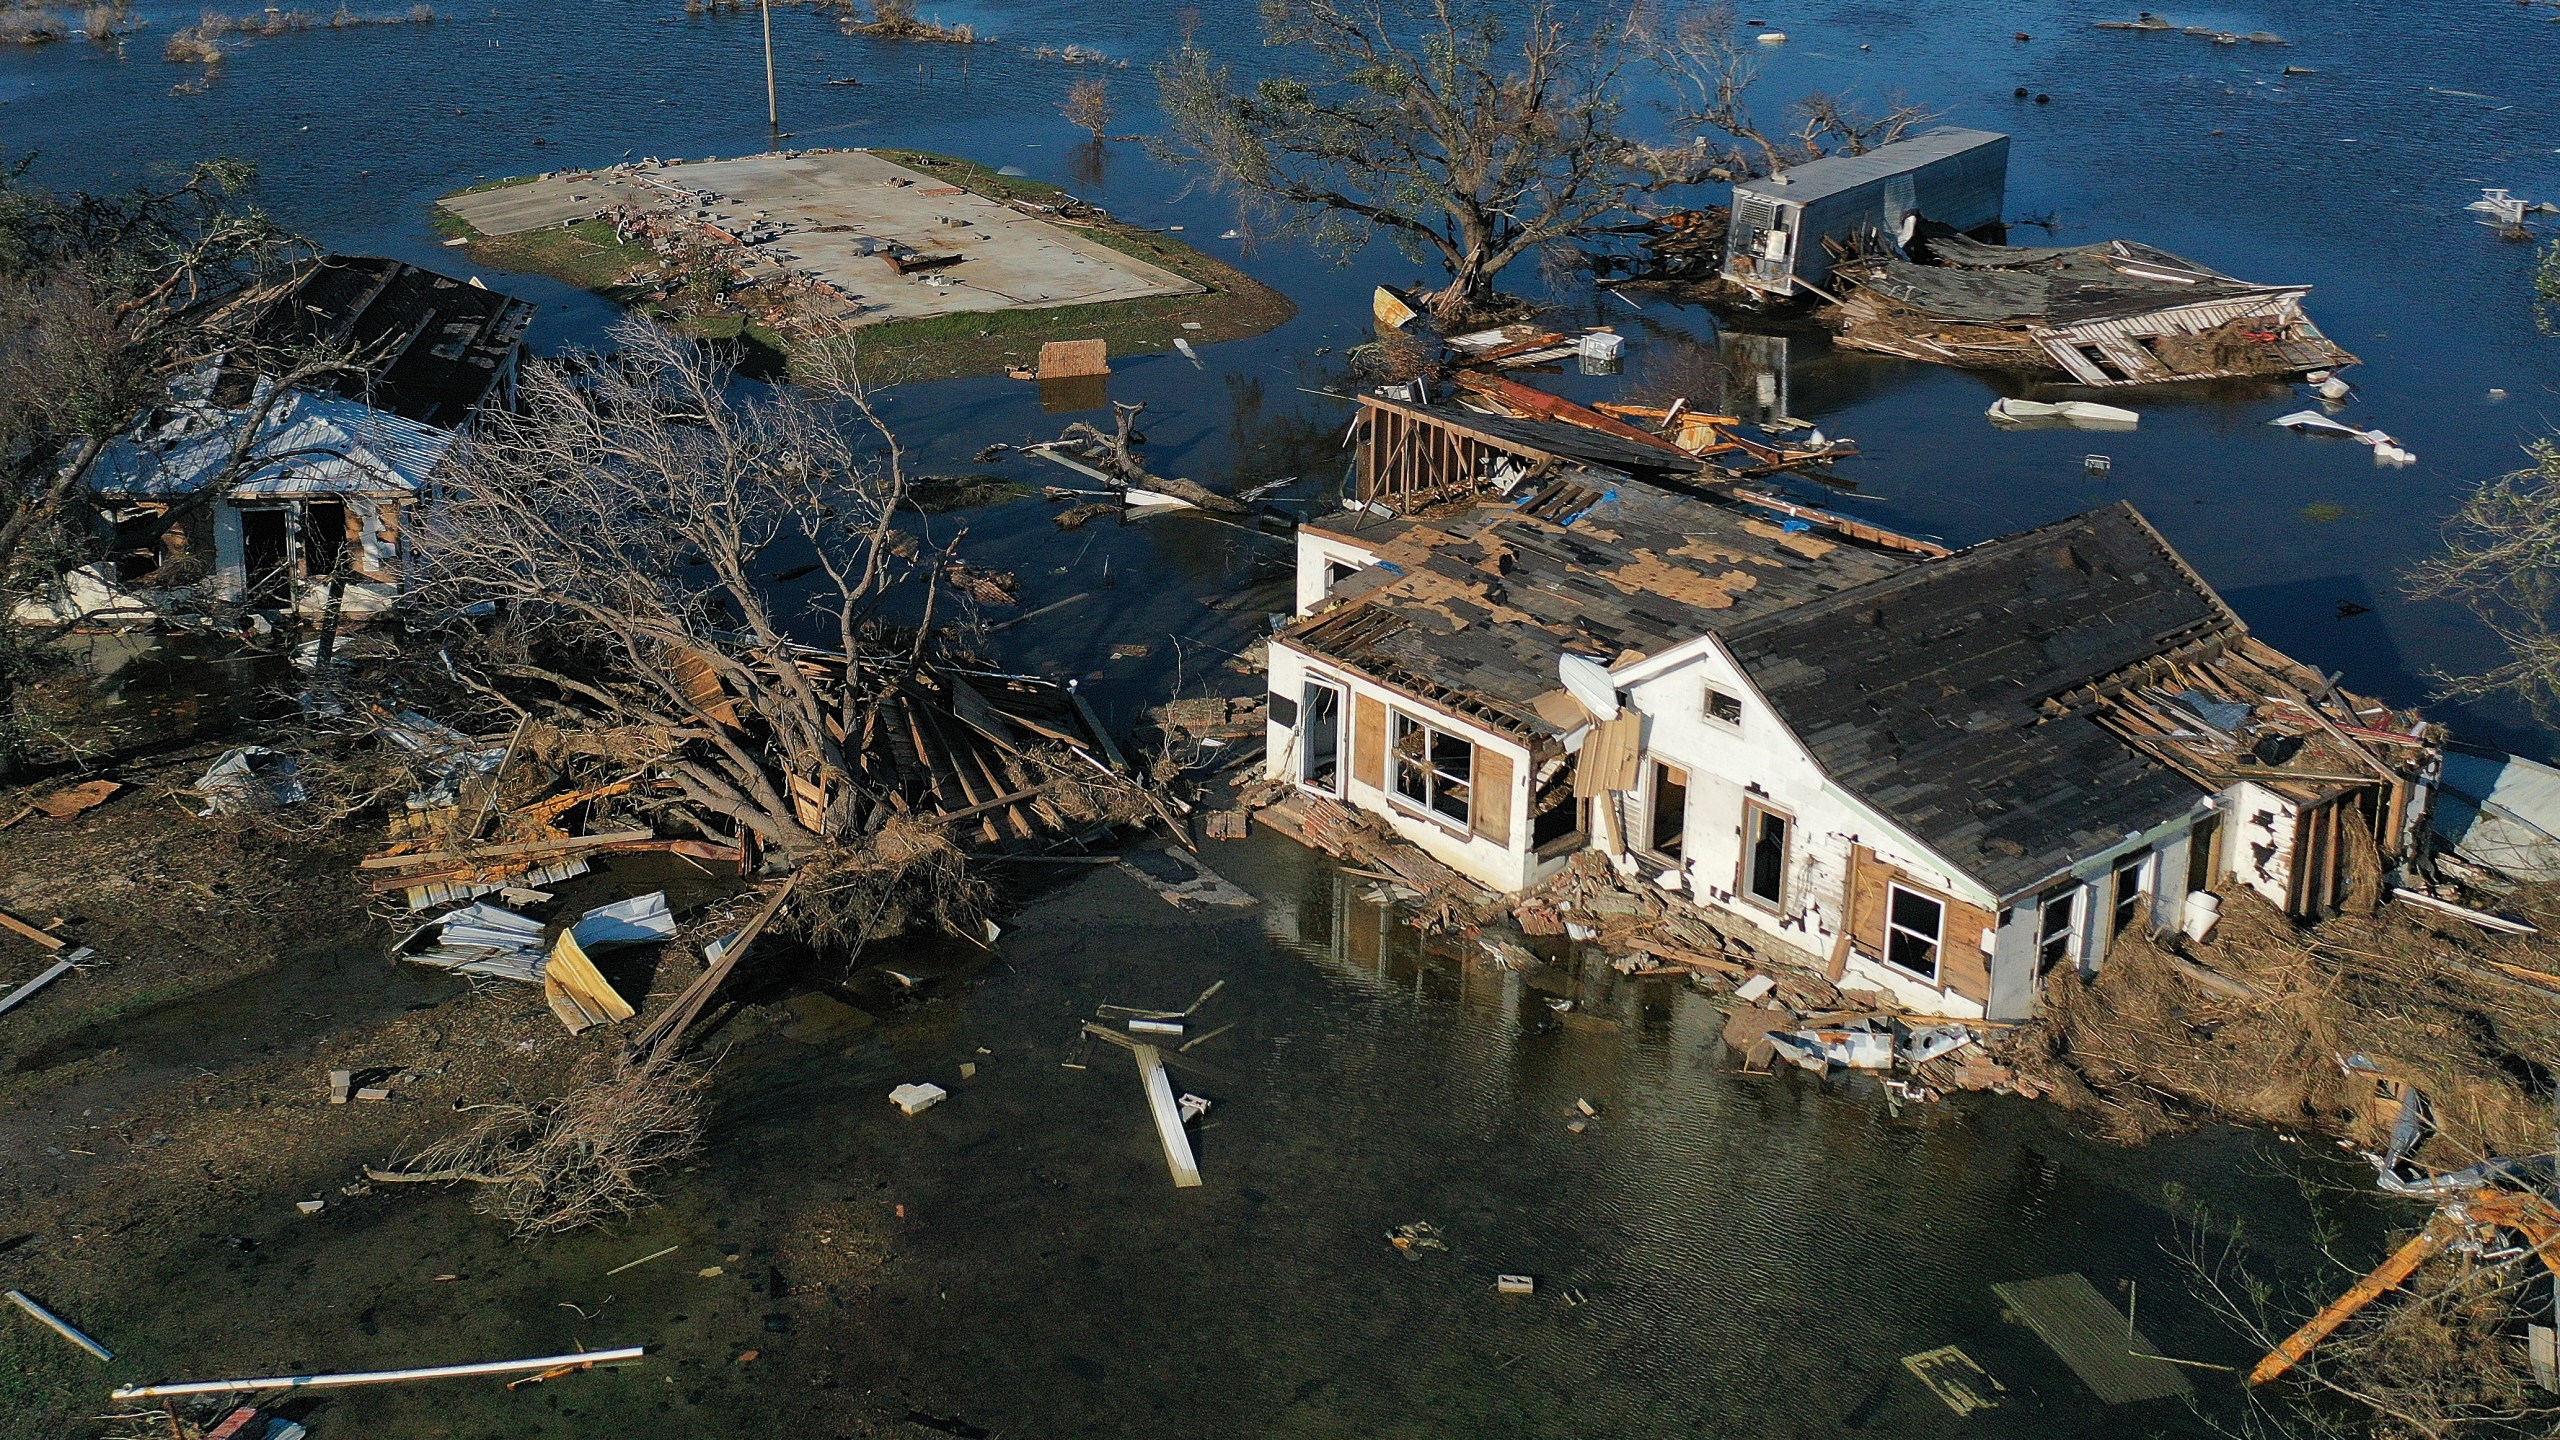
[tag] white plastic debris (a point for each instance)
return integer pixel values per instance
(1750, 991)
(915, 1099)
(250, 779)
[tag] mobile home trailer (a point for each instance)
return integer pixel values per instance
(1950, 176)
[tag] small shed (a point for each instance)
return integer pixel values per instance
(1950, 176)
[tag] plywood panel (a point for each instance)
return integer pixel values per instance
(1369, 742)
(1492, 815)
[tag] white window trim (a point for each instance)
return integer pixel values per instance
(2076, 938)
(1309, 680)
(2146, 886)
(1707, 709)
(1752, 808)
(1937, 943)
(1427, 807)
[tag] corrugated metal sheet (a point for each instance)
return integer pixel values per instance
(311, 444)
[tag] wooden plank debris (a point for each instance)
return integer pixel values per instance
(2094, 1338)
(45, 938)
(1952, 1376)
(1168, 1114)
(581, 1360)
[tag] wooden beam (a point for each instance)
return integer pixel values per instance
(565, 845)
(44, 938)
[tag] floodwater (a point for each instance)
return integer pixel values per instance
(1758, 1253)
(1753, 1255)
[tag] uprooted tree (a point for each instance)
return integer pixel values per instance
(626, 524)
(1466, 130)
(104, 301)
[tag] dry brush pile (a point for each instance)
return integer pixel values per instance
(2259, 1025)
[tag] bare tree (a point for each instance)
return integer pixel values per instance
(2501, 562)
(626, 521)
(1088, 106)
(1465, 129)
(1713, 60)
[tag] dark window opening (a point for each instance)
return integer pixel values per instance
(1914, 927)
(265, 552)
(324, 537)
(2128, 896)
(2058, 928)
(1670, 809)
(1765, 856)
(1558, 816)
(1335, 572)
(2200, 874)
(1724, 709)
(1321, 735)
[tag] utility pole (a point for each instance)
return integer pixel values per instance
(772, 109)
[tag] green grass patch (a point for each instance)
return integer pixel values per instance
(1232, 305)
(939, 494)
(2327, 512)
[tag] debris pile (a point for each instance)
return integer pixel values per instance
(2329, 1028)
(2115, 313)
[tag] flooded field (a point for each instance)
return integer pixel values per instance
(1758, 1254)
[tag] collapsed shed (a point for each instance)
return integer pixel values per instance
(2116, 313)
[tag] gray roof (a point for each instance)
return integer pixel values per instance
(1473, 612)
(312, 443)
(1833, 174)
(1921, 692)
(2004, 284)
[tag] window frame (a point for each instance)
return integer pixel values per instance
(1307, 687)
(1753, 811)
(1434, 781)
(2139, 867)
(1707, 708)
(1937, 943)
(1656, 775)
(2073, 936)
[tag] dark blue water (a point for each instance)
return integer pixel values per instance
(2352, 179)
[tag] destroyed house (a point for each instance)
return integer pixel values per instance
(1787, 228)
(426, 347)
(1939, 776)
(321, 492)
(316, 500)
(2118, 313)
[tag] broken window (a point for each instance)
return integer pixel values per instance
(1321, 765)
(1434, 769)
(2130, 886)
(324, 537)
(1722, 708)
(1558, 811)
(1914, 925)
(2057, 928)
(1765, 834)
(1336, 571)
(1670, 809)
(2200, 845)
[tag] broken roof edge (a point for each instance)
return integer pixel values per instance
(1527, 729)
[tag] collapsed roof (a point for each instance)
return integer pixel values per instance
(309, 444)
(431, 348)
(1474, 610)
(2005, 284)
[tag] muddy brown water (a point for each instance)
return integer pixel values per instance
(1754, 1254)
